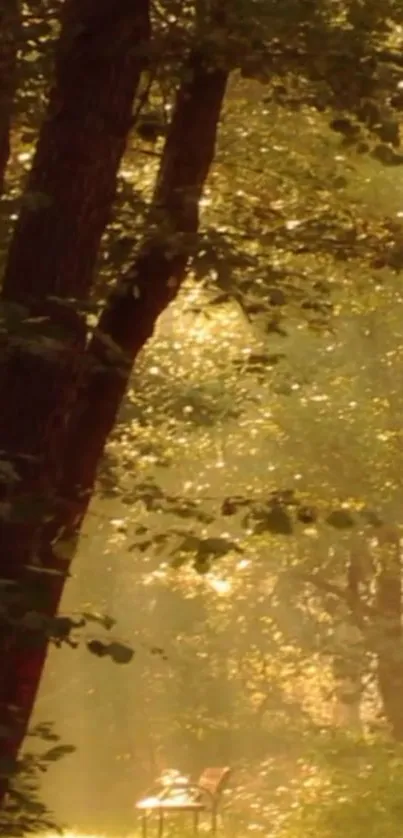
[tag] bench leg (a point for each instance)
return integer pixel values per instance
(195, 823)
(160, 824)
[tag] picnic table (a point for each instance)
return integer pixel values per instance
(174, 793)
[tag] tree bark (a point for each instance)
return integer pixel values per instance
(153, 281)
(10, 23)
(71, 187)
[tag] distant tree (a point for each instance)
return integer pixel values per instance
(10, 25)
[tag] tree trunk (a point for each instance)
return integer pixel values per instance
(388, 628)
(131, 313)
(50, 269)
(124, 327)
(71, 186)
(10, 23)
(128, 321)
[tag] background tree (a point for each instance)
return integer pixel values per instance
(10, 35)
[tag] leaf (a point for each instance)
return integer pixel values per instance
(178, 561)
(277, 297)
(341, 519)
(231, 506)
(274, 519)
(220, 299)
(120, 653)
(103, 619)
(58, 752)
(60, 627)
(202, 565)
(307, 515)
(97, 648)
(214, 548)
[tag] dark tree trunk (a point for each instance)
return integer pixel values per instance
(52, 257)
(153, 281)
(71, 187)
(124, 327)
(10, 23)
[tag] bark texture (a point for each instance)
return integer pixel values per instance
(153, 281)
(72, 182)
(50, 270)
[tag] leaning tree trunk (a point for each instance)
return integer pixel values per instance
(10, 22)
(153, 281)
(100, 56)
(124, 327)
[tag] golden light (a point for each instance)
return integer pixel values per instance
(222, 587)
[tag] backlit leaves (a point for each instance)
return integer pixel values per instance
(118, 652)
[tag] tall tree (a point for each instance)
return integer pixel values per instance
(101, 54)
(126, 323)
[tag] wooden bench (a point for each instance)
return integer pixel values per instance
(182, 796)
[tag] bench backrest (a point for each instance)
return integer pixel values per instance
(214, 780)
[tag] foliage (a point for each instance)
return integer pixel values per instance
(24, 811)
(360, 792)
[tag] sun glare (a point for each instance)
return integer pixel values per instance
(220, 586)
